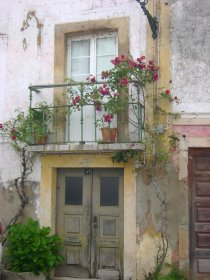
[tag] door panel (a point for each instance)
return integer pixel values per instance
(108, 196)
(89, 219)
(199, 182)
(73, 221)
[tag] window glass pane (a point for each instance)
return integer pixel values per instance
(80, 48)
(104, 63)
(109, 191)
(73, 191)
(80, 66)
(106, 46)
(79, 78)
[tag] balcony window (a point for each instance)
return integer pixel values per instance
(88, 54)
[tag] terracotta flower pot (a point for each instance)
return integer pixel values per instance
(109, 134)
(39, 140)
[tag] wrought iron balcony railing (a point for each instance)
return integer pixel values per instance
(70, 121)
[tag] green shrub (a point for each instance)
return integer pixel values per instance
(174, 274)
(32, 249)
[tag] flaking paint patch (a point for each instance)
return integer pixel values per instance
(25, 45)
(37, 200)
(146, 224)
(26, 25)
(175, 253)
(3, 35)
(147, 252)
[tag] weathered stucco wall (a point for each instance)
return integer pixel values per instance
(27, 31)
(190, 67)
(190, 48)
(149, 218)
(30, 44)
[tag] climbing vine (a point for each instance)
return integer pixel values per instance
(20, 184)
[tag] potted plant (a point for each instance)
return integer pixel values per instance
(40, 117)
(108, 131)
(30, 127)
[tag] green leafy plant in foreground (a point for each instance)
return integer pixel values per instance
(32, 249)
(174, 274)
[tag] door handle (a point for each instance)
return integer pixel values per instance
(95, 221)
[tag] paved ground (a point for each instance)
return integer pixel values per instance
(69, 278)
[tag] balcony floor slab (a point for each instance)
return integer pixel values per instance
(85, 148)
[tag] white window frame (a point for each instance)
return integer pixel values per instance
(93, 39)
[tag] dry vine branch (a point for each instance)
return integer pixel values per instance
(20, 186)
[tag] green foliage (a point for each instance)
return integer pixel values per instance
(125, 156)
(112, 95)
(174, 274)
(32, 249)
(27, 127)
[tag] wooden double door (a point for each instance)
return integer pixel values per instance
(90, 222)
(199, 183)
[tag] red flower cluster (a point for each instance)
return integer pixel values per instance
(155, 77)
(151, 66)
(98, 107)
(104, 90)
(12, 132)
(138, 64)
(104, 75)
(117, 60)
(76, 100)
(167, 92)
(13, 136)
(141, 62)
(108, 118)
(139, 59)
(124, 81)
(91, 78)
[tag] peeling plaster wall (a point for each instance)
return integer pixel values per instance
(190, 68)
(27, 57)
(30, 49)
(190, 49)
(5, 10)
(149, 218)
(10, 168)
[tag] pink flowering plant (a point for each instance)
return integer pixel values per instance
(167, 95)
(25, 128)
(16, 129)
(110, 94)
